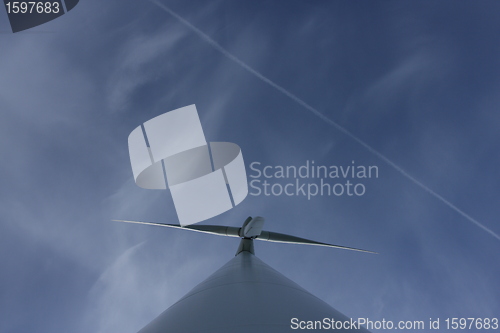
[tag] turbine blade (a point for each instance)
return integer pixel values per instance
(209, 229)
(235, 232)
(283, 238)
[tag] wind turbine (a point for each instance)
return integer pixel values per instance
(205, 180)
(247, 295)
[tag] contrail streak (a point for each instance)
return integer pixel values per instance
(233, 58)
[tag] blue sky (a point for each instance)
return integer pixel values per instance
(416, 81)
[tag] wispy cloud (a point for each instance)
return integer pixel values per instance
(327, 120)
(133, 67)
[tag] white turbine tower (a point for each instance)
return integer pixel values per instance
(245, 295)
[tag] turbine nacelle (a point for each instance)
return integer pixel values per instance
(252, 227)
